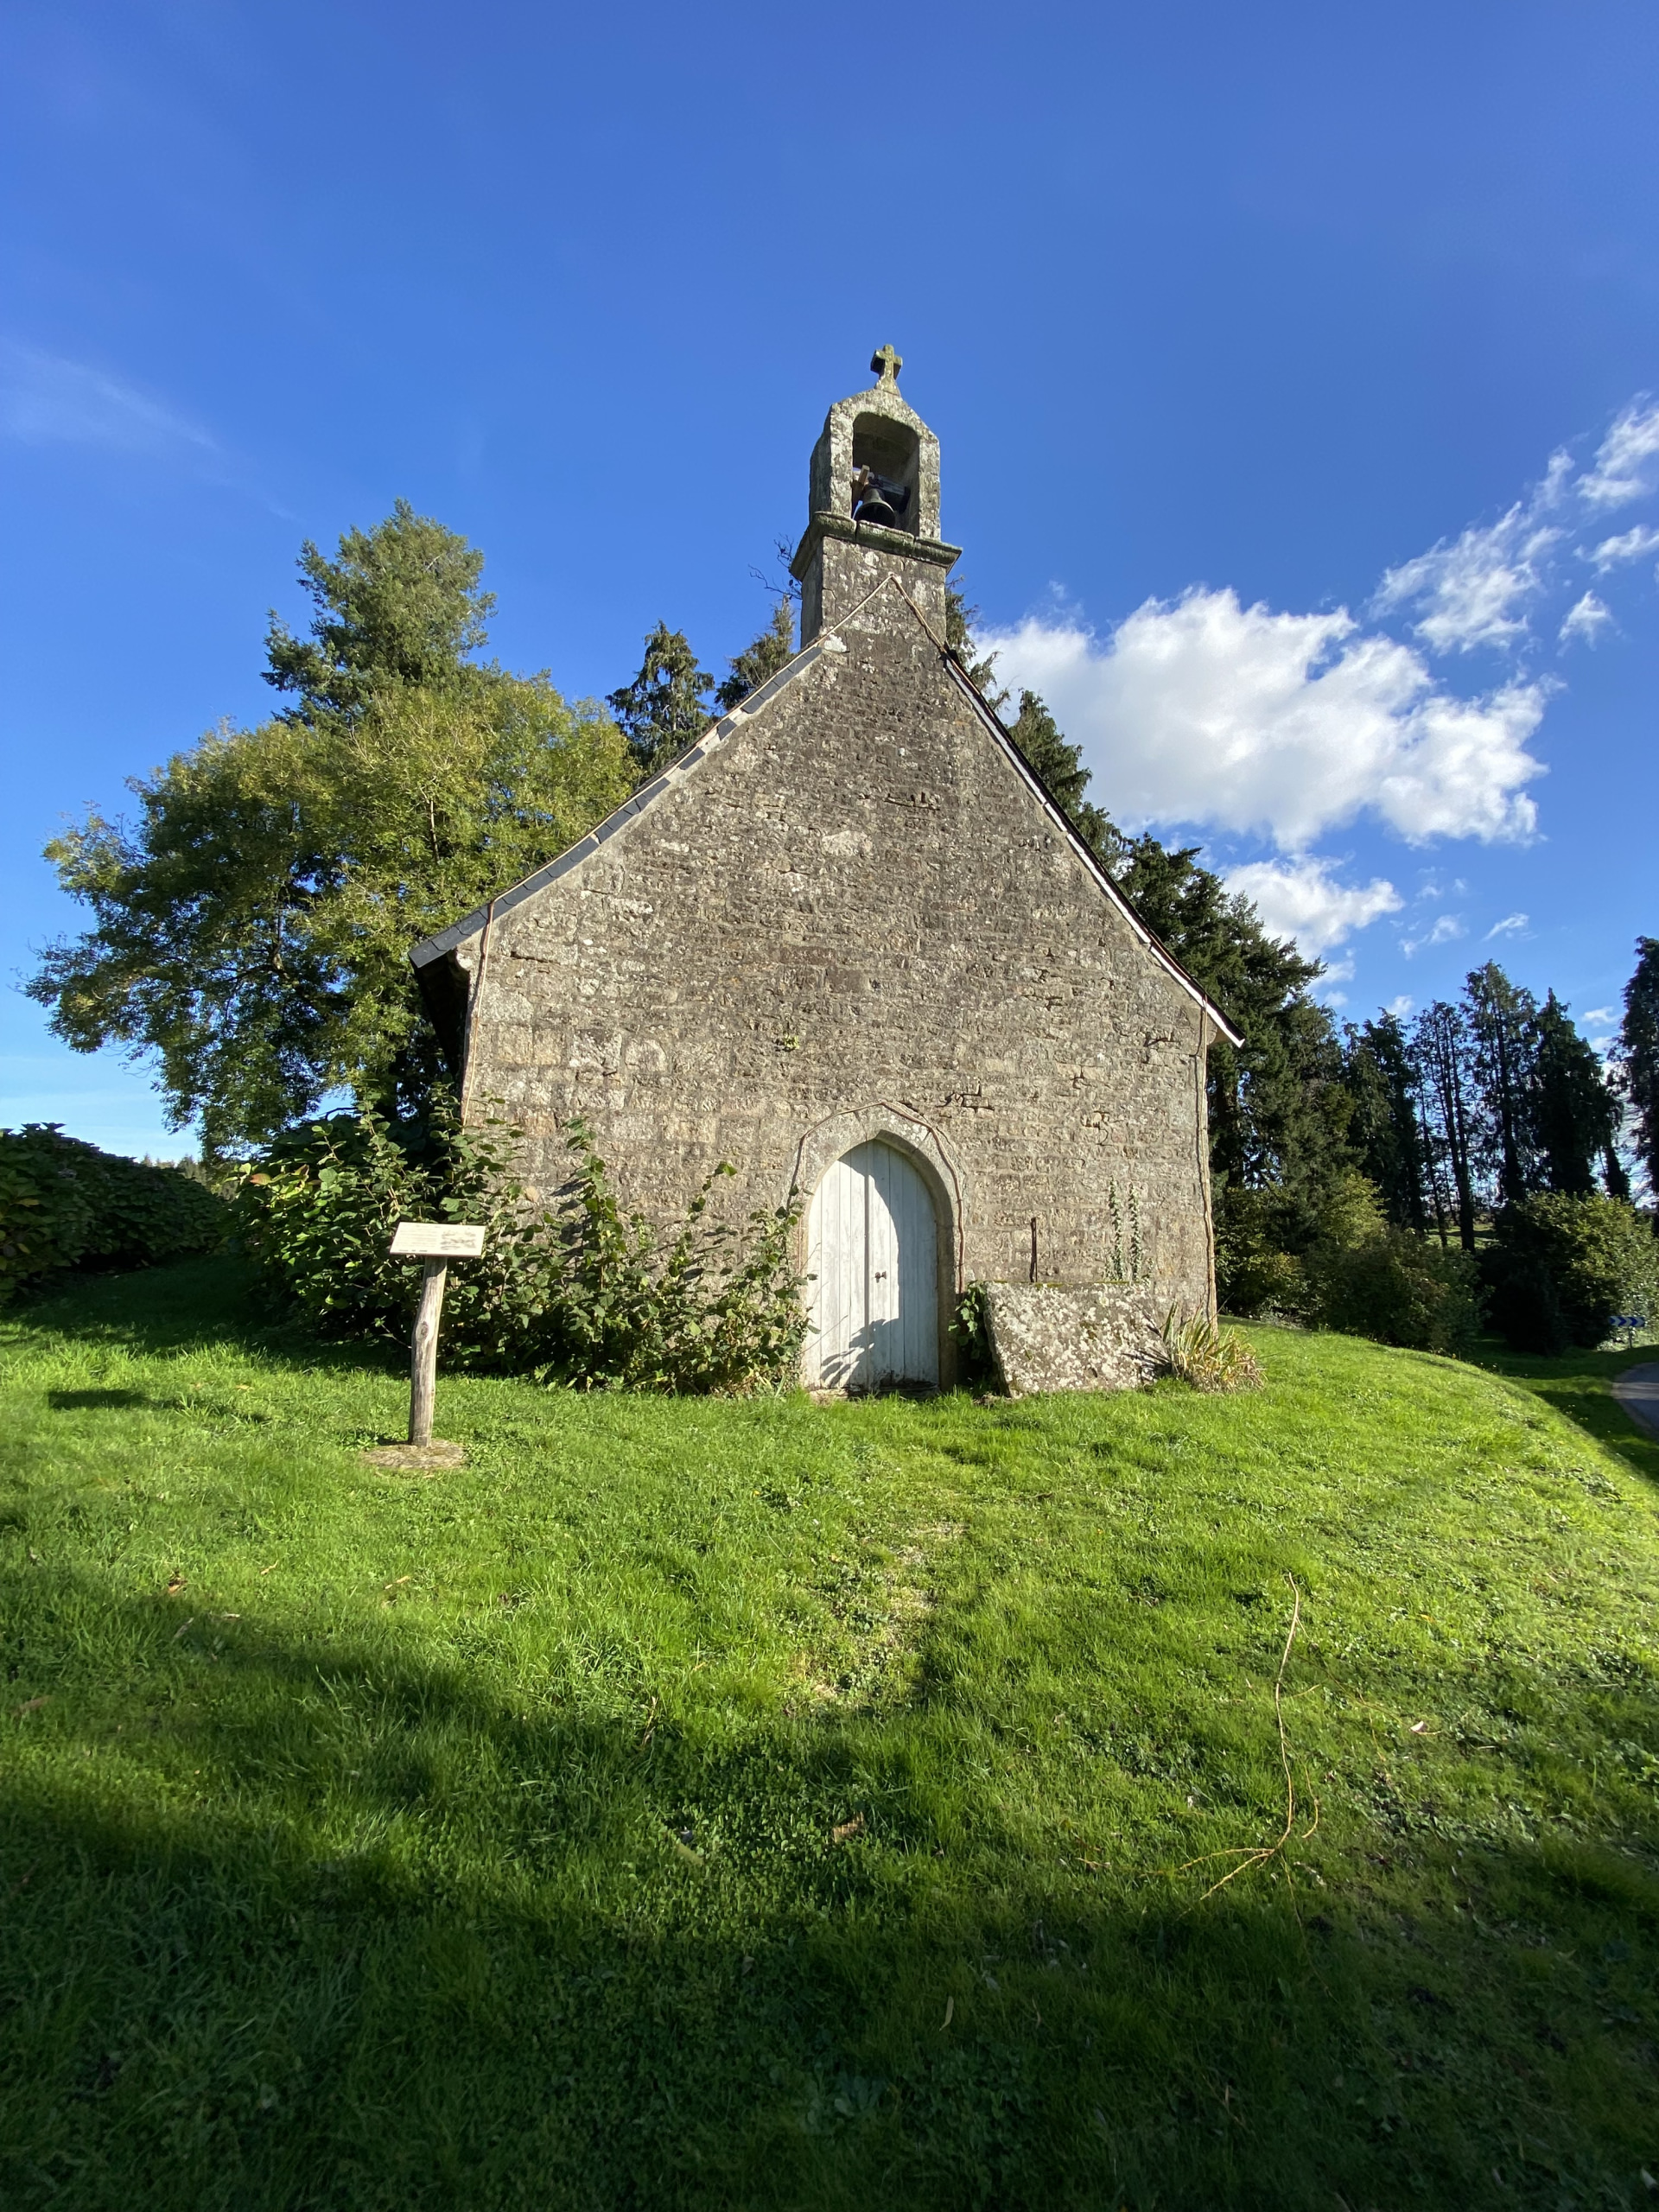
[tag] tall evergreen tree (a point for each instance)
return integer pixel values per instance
(773, 649)
(1386, 1126)
(1278, 1108)
(980, 668)
(1037, 734)
(1575, 1114)
(1501, 1019)
(665, 709)
(401, 606)
(1443, 1053)
(1638, 1050)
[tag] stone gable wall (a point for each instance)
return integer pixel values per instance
(857, 908)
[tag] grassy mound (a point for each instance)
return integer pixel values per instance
(763, 1804)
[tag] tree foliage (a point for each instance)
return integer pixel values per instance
(1037, 734)
(1386, 1128)
(1562, 1265)
(64, 1204)
(664, 707)
(761, 659)
(403, 604)
(251, 927)
(1639, 1054)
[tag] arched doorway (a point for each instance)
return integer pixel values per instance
(872, 1251)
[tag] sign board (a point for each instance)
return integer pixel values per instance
(436, 1240)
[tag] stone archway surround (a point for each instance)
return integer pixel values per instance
(838, 1135)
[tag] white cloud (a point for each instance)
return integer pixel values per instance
(44, 401)
(1630, 545)
(1627, 460)
(1511, 925)
(1208, 712)
(1469, 592)
(1604, 1016)
(1300, 899)
(1587, 617)
(1446, 929)
(1401, 1007)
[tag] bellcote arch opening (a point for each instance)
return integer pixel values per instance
(885, 474)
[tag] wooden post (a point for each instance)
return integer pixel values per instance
(423, 1361)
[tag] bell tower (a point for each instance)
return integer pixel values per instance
(872, 508)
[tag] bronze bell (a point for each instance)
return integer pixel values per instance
(876, 509)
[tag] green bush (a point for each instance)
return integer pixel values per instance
(64, 1204)
(584, 1295)
(1352, 1271)
(1562, 1265)
(316, 1212)
(1397, 1289)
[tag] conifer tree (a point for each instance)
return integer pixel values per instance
(1575, 1117)
(665, 709)
(1387, 1126)
(1443, 1053)
(773, 649)
(1503, 1026)
(979, 668)
(401, 606)
(1037, 734)
(1638, 1050)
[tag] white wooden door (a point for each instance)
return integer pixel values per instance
(873, 1252)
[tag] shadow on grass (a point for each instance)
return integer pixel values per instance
(1578, 1385)
(191, 1304)
(86, 1401)
(335, 1929)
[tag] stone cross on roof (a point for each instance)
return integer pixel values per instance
(888, 364)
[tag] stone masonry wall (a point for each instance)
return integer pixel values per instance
(858, 905)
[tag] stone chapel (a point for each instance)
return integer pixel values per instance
(848, 943)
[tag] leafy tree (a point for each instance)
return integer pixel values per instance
(663, 709)
(251, 928)
(1387, 1128)
(1638, 1046)
(1563, 1265)
(773, 649)
(1575, 1114)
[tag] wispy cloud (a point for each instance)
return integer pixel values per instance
(1446, 929)
(1627, 460)
(1511, 925)
(1470, 591)
(45, 400)
(1586, 619)
(1630, 545)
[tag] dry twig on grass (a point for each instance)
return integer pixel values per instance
(1250, 1855)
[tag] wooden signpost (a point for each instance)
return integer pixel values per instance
(436, 1242)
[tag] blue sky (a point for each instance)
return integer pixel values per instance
(1294, 368)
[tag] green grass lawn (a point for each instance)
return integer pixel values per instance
(774, 1805)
